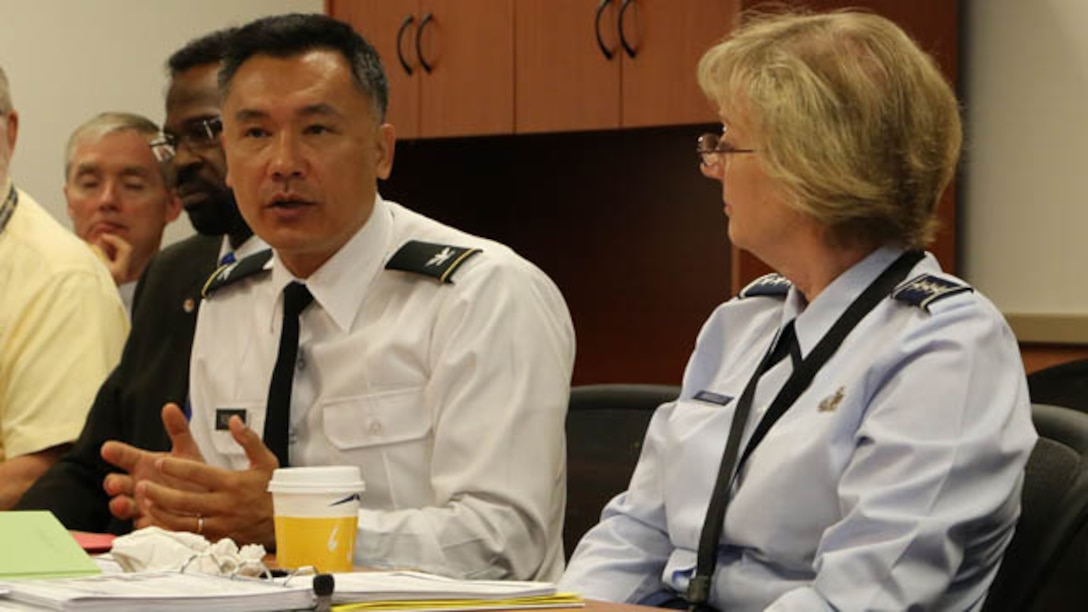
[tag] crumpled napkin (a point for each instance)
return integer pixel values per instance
(153, 549)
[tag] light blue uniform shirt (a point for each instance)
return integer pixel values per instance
(893, 481)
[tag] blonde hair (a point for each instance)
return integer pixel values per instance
(848, 114)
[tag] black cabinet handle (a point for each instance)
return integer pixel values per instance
(419, 37)
(400, 38)
(623, 39)
(597, 29)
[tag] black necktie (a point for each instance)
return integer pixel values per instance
(786, 345)
(296, 297)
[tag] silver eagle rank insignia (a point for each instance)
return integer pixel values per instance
(438, 261)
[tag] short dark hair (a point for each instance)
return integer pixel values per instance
(207, 49)
(289, 35)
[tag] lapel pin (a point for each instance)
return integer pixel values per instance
(830, 403)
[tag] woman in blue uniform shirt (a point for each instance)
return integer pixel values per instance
(890, 477)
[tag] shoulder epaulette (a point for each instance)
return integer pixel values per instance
(923, 290)
(232, 272)
(437, 260)
(773, 285)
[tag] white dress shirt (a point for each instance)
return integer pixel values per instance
(451, 398)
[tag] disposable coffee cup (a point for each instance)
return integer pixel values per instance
(316, 512)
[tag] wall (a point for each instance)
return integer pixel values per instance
(69, 60)
(1025, 204)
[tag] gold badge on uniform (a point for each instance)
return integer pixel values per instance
(831, 402)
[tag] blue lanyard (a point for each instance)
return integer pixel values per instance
(8, 207)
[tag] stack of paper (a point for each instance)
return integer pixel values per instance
(405, 590)
(157, 591)
(371, 591)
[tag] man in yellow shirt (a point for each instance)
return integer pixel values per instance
(62, 326)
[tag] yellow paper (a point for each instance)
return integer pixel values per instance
(559, 600)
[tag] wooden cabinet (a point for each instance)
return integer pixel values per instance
(450, 63)
(600, 64)
(659, 83)
(563, 80)
(477, 67)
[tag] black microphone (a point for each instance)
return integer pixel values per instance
(323, 588)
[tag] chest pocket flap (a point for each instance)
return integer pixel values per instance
(377, 419)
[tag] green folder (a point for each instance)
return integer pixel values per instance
(33, 544)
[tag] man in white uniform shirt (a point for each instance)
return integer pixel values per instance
(436, 361)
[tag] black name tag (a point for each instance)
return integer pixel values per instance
(223, 415)
(712, 398)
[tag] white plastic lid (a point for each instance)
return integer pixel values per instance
(339, 479)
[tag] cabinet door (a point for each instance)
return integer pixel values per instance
(382, 23)
(469, 45)
(563, 78)
(669, 37)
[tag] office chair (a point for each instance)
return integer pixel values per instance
(605, 428)
(1046, 565)
(1065, 384)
